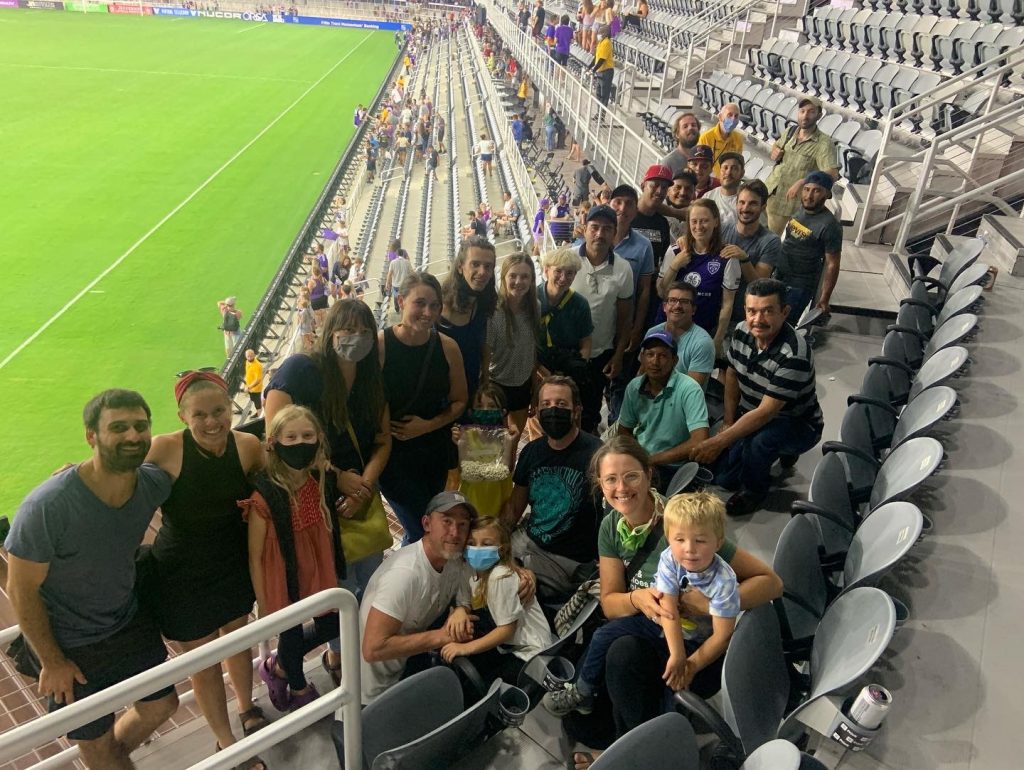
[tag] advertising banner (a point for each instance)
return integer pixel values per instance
(77, 5)
(127, 8)
(320, 21)
(46, 5)
(170, 10)
(8, 3)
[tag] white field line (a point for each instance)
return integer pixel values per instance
(88, 287)
(251, 27)
(24, 65)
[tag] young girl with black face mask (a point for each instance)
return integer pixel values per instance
(291, 554)
(508, 633)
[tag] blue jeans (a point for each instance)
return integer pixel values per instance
(592, 667)
(746, 464)
(798, 300)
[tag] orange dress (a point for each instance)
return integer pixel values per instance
(314, 556)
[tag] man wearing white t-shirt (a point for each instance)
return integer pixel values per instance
(485, 149)
(411, 590)
(731, 166)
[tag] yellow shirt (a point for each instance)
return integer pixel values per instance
(254, 376)
(604, 53)
(718, 143)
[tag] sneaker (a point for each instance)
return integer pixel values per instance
(743, 503)
(562, 702)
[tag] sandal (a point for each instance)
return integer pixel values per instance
(277, 688)
(584, 758)
(255, 714)
(334, 671)
(249, 764)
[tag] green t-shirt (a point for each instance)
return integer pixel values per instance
(609, 545)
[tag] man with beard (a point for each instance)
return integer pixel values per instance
(411, 590)
(731, 167)
(701, 159)
(758, 247)
(814, 242)
(687, 132)
(800, 150)
(71, 578)
(679, 197)
(650, 219)
(558, 540)
(771, 408)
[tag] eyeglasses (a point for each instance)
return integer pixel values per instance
(673, 301)
(631, 479)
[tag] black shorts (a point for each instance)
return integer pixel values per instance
(257, 399)
(517, 396)
(319, 303)
(135, 648)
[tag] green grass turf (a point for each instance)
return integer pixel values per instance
(97, 145)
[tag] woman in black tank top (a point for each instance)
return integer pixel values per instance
(426, 387)
(200, 587)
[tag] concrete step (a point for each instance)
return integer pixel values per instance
(1005, 238)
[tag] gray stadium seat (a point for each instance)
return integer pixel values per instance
(961, 302)
(904, 470)
(829, 507)
(953, 331)
(666, 742)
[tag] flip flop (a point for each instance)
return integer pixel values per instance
(249, 764)
(255, 713)
(277, 688)
(334, 671)
(587, 756)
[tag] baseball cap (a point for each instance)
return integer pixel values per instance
(445, 501)
(702, 152)
(602, 211)
(625, 191)
(658, 172)
(810, 100)
(658, 335)
(820, 178)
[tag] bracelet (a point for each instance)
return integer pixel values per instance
(631, 600)
(744, 261)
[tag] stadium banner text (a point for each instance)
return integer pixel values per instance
(46, 5)
(134, 10)
(168, 10)
(8, 3)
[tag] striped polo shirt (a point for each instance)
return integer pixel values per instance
(785, 370)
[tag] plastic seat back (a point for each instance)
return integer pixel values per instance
(937, 369)
(805, 591)
(666, 742)
(950, 333)
(829, 491)
(923, 413)
(905, 469)
(958, 303)
(881, 541)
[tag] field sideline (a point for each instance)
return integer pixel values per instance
(150, 167)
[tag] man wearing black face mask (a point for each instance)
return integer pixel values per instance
(558, 538)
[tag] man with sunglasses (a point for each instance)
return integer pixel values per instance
(606, 282)
(695, 350)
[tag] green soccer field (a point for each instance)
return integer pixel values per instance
(149, 167)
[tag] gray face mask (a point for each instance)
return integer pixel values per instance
(353, 347)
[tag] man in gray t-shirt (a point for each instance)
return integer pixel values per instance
(71, 577)
(687, 132)
(581, 183)
(760, 245)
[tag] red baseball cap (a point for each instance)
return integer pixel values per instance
(659, 172)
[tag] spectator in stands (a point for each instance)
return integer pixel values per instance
(341, 383)
(254, 381)
(339, 274)
(622, 471)
(603, 65)
(581, 182)
(485, 150)
(474, 225)
(306, 321)
(517, 129)
(512, 336)
(439, 126)
(318, 290)
(71, 578)
(537, 19)
(432, 160)
(687, 132)
(700, 162)
(230, 324)
(198, 586)
(771, 408)
(639, 13)
(724, 136)
(813, 245)
(425, 382)
(649, 220)
(398, 270)
(636, 249)
(697, 260)
(558, 540)
(759, 248)
(587, 13)
(550, 129)
(564, 338)
(731, 167)
(563, 40)
(509, 215)
(607, 285)
(371, 163)
(523, 92)
(538, 222)
(800, 150)
(682, 192)
(663, 409)
(523, 17)
(695, 350)
(468, 296)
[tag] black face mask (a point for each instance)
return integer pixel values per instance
(556, 421)
(297, 456)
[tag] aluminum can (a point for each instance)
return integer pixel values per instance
(870, 706)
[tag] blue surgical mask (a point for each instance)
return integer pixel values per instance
(482, 557)
(729, 124)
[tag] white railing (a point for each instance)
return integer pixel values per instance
(967, 140)
(611, 144)
(345, 700)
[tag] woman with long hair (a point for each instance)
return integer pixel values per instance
(696, 259)
(468, 300)
(512, 336)
(425, 381)
(587, 16)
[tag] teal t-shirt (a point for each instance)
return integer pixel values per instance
(610, 546)
(666, 420)
(695, 348)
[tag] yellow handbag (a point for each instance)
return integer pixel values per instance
(367, 531)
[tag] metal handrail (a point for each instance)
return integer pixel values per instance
(345, 699)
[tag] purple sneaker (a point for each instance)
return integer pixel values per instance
(301, 699)
(277, 688)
